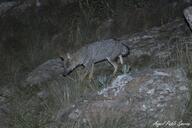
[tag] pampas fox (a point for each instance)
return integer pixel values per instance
(95, 52)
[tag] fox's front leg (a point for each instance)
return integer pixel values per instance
(115, 65)
(91, 71)
(121, 59)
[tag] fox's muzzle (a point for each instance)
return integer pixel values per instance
(66, 72)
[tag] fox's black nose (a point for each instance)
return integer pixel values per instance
(65, 74)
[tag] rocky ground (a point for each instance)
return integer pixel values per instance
(143, 97)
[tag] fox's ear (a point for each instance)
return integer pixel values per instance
(68, 56)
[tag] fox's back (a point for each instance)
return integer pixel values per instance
(98, 51)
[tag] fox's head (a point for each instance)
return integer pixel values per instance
(68, 63)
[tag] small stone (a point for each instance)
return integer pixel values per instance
(75, 114)
(183, 88)
(144, 107)
(157, 73)
(151, 91)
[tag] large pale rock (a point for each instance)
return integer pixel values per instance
(44, 72)
(144, 97)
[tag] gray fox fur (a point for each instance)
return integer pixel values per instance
(95, 52)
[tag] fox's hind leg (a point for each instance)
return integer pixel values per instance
(121, 59)
(115, 65)
(89, 70)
